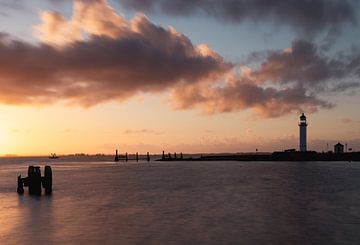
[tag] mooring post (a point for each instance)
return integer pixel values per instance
(175, 155)
(148, 156)
(126, 156)
(181, 155)
(116, 156)
(47, 180)
(20, 188)
(137, 156)
(163, 155)
(169, 155)
(35, 181)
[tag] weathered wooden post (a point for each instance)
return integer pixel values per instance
(20, 188)
(163, 155)
(34, 180)
(137, 156)
(148, 156)
(169, 155)
(175, 155)
(181, 155)
(47, 180)
(126, 156)
(116, 156)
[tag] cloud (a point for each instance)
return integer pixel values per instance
(306, 65)
(12, 5)
(309, 16)
(94, 17)
(98, 55)
(286, 81)
(7, 7)
(3, 14)
(115, 60)
(346, 120)
(142, 131)
(242, 95)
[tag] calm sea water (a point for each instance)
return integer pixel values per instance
(184, 203)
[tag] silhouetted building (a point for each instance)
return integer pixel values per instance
(339, 148)
(290, 150)
(302, 135)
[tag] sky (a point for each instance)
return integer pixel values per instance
(92, 76)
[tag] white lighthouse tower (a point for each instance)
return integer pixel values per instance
(302, 125)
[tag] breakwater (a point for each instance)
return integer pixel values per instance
(275, 156)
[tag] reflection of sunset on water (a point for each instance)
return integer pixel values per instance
(11, 216)
(182, 203)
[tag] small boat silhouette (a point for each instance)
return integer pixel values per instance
(53, 156)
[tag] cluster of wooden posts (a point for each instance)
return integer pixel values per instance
(169, 157)
(34, 181)
(126, 157)
(135, 157)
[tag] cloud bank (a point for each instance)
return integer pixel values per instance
(98, 55)
(113, 61)
(287, 80)
(307, 16)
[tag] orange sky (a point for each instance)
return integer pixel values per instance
(92, 77)
(149, 124)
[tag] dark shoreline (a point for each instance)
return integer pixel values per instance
(274, 157)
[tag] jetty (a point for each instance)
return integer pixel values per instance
(128, 157)
(290, 156)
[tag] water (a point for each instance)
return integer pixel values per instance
(184, 203)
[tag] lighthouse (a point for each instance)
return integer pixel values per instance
(302, 126)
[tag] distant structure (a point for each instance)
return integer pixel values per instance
(339, 148)
(116, 156)
(302, 125)
(290, 150)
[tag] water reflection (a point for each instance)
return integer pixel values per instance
(10, 217)
(37, 218)
(197, 203)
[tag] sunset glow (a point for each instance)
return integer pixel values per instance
(95, 76)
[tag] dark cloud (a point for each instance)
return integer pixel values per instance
(305, 64)
(154, 60)
(288, 80)
(242, 95)
(3, 14)
(102, 68)
(7, 7)
(118, 59)
(307, 16)
(12, 4)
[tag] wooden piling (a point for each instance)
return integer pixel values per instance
(116, 156)
(20, 188)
